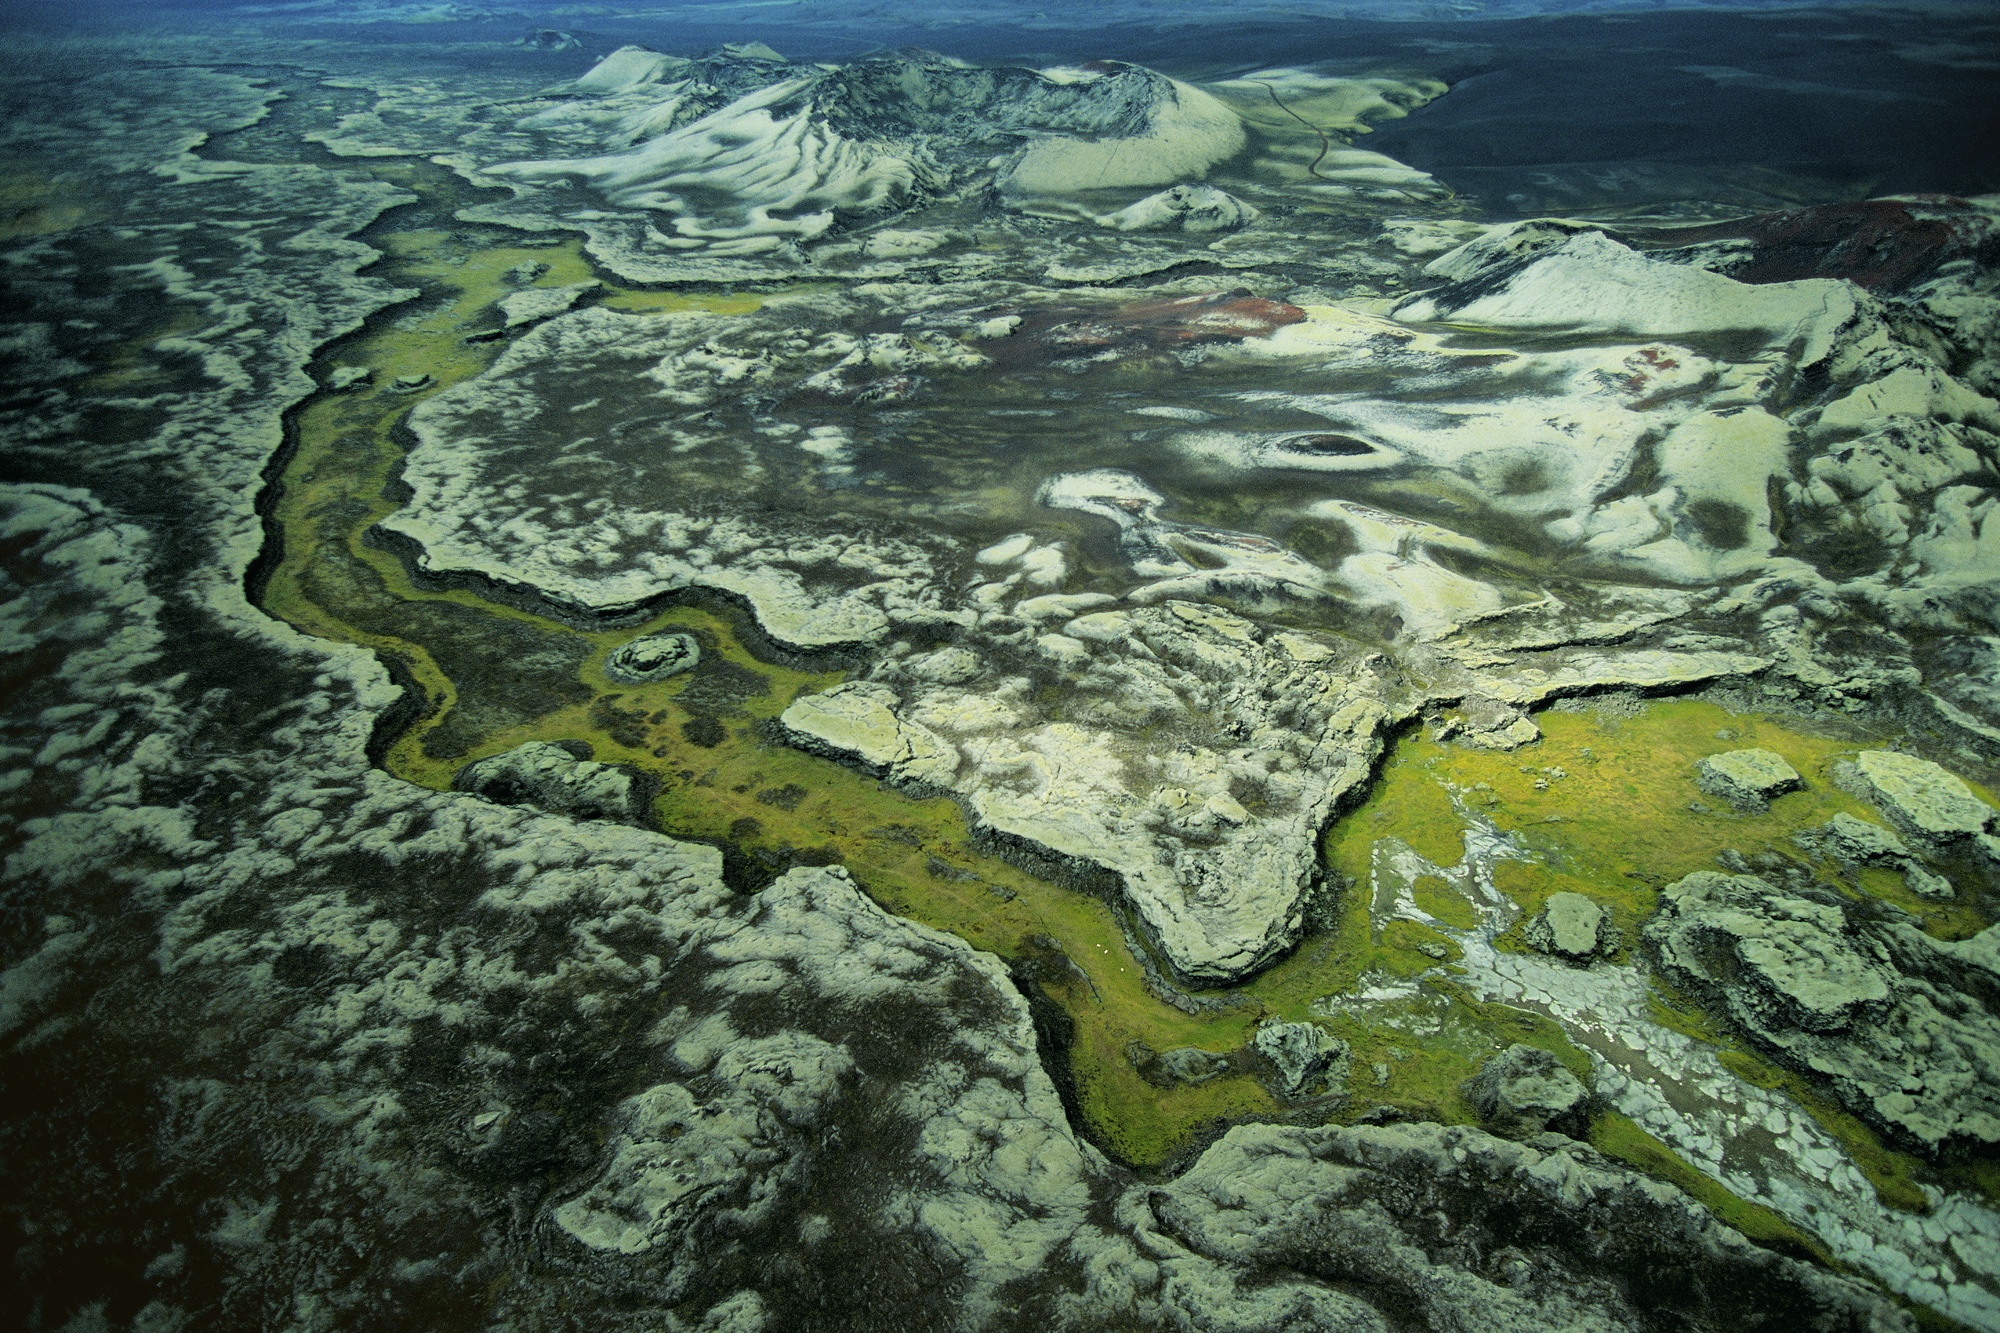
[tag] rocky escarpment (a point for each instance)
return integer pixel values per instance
(1898, 1024)
(1213, 839)
(1545, 1235)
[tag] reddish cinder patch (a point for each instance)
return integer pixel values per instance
(1212, 317)
(1209, 317)
(1882, 244)
(1645, 364)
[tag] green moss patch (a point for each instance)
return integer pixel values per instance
(1616, 1136)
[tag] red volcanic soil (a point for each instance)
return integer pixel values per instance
(1885, 245)
(1161, 322)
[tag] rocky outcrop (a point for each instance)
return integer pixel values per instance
(1525, 1090)
(1309, 1060)
(1899, 1025)
(1183, 1066)
(1213, 839)
(1929, 804)
(1571, 926)
(1747, 779)
(534, 304)
(653, 657)
(561, 778)
(859, 721)
(1856, 842)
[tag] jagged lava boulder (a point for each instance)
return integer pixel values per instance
(1571, 926)
(1309, 1059)
(1525, 1090)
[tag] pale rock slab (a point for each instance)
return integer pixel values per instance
(1923, 799)
(1747, 779)
(859, 720)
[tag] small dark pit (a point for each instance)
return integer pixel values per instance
(1326, 444)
